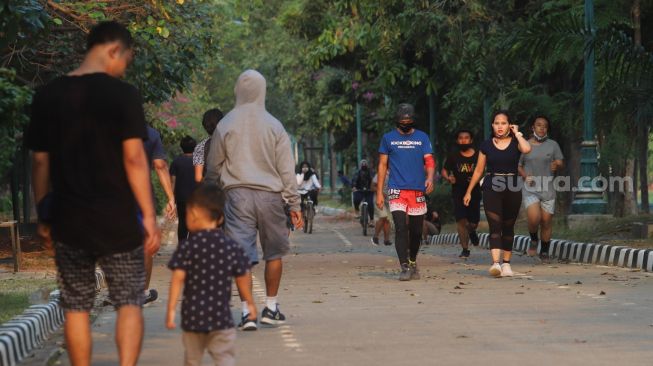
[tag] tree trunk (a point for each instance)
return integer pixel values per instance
(630, 204)
(642, 128)
(334, 165)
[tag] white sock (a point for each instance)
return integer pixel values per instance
(271, 303)
(245, 308)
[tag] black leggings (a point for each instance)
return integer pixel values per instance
(408, 235)
(501, 209)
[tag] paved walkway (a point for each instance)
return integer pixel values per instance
(345, 307)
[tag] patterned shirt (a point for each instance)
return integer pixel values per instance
(211, 260)
(198, 153)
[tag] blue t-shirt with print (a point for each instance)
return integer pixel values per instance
(406, 158)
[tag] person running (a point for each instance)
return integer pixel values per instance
(205, 315)
(383, 215)
(501, 187)
(210, 119)
(183, 182)
(408, 153)
(96, 187)
(362, 189)
(538, 169)
(251, 158)
(309, 185)
(458, 170)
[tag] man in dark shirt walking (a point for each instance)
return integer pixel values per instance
(86, 134)
(182, 173)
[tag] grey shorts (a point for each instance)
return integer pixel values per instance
(220, 344)
(250, 211)
(546, 205)
(124, 273)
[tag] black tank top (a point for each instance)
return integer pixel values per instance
(500, 162)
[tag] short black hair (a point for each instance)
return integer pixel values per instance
(187, 144)
(544, 117)
(504, 112)
(210, 119)
(209, 197)
(109, 31)
(464, 130)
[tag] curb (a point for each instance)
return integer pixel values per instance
(589, 253)
(23, 333)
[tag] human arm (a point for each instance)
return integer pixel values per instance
(286, 168)
(176, 284)
(138, 176)
(316, 182)
(382, 170)
(557, 163)
(476, 177)
(161, 169)
(523, 145)
(430, 165)
(215, 159)
(242, 282)
(41, 187)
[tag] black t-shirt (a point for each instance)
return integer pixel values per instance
(462, 168)
(211, 260)
(82, 121)
(501, 162)
(184, 171)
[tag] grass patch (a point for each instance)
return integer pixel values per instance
(15, 294)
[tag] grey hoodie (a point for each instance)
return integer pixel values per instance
(250, 148)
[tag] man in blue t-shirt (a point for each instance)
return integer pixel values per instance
(409, 154)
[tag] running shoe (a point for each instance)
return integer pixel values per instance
(532, 248)
(495, 270)
(506, 271)
(473, 237)
(151, 296)
(387, 242)
(414, 271)
(247, 324)
(464, 254)
(270, 317)
(375, 240)
(405, 273)
(544, 257)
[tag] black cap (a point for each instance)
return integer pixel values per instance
(405, 111)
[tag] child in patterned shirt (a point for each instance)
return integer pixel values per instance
(204, 265)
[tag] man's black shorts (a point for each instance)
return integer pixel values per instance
(472, 212)
(124, 274)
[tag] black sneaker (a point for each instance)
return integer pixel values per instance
(473, 237)
(414, 271)
(375, 240)
(404, 275)
(247, 324)
(464, 254)
(387, 242)
(151, 296)
(272, 317)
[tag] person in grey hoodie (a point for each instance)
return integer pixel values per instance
(251, 160)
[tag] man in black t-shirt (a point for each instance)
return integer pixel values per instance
(458, 170)
(86, 134)
(182, 173)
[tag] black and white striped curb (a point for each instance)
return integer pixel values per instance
(24, 333)
(591, 253)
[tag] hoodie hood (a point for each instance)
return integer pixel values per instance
(250, 88)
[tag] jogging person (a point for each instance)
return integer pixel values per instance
(501, 187)
(458, 170)
(408, 153)
(97, 186)
(383, 215)
(538, 169)
(209, 121)
(362, 189)
(251, 158)
(309, 185)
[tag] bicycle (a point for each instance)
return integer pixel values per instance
(363, 209)
(308, 212)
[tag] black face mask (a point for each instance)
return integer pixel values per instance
(464, 147)
(406, 127)
(364, 167)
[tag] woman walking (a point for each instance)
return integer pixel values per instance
(538, 169)
(501, 187)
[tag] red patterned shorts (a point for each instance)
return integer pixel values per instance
(409, 201)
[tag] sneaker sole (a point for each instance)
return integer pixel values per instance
(507, 275)
(373, 243)
(268, 321)
(495, 272)
(248, 327)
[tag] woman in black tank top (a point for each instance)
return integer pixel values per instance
(501, 187)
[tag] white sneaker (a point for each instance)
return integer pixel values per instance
(495, 270)
(506, 271)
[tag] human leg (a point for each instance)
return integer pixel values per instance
(533, 216)
(194, 345)
(222, 347)
(511, 205)
(182, 230)
(493, 212)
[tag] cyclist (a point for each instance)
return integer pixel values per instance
(361, 185)
(309, 184)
